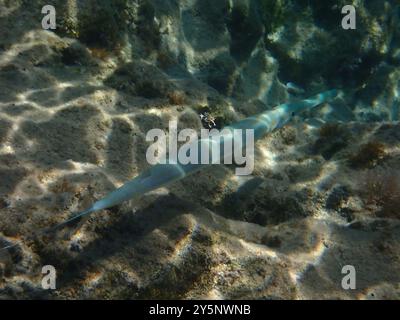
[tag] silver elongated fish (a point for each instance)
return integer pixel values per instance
(162, 174)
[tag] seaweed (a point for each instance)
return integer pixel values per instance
(165, 60)
(176, 97)
(332, 139)
(382, 188)
(329, 130)
(102, 24)
(150, 89)
(100, 53)
(368, 156)
(75, 54)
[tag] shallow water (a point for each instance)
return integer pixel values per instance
(76, 104)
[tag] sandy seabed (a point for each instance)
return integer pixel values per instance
(72, 130)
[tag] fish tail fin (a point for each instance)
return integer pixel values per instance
(10, 246)
(74, 217)
(48, 230)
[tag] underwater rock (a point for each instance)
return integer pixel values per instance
(95, 23)
(142, 79)
(75, 246)
(4, 203)
(265, 209)
(75, 108)
(75, 54)
(221, 73)
(332, 139)
(273, 242)
(337, 197)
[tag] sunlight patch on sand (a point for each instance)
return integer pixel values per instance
(328, 171)
(258, 250)
(214, 294)
(303, 260)
(183, 246)
(6, 149)
(269, 158)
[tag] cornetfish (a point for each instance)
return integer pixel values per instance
(162, 174)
